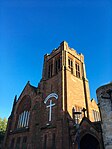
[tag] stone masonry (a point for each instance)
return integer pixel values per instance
(104, 95)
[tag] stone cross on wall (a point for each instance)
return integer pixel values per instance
(50, 109)
(52, 95)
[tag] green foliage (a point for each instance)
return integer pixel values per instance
(3, 125)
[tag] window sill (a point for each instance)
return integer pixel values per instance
(19, 130)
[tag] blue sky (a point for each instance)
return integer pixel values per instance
(31, 28)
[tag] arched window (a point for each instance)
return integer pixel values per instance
(23, 120)
(96, 115)
(18, 143)
(45, 142)
(23, 113)
(57, 64)
(77, 67)
(53, 141)
(24, 142)
(12, 143)
(50, 69)
(70, 64)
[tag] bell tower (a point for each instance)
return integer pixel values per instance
(64, 73)
(65, 87)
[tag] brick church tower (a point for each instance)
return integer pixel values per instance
(64, 72)
(42, 116)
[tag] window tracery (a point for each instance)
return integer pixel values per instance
(23, 113)
(23, 120)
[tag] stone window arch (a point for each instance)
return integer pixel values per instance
(23, 112)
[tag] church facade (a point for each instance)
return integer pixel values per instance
(58, 113)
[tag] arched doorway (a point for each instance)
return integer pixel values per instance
(89, 142)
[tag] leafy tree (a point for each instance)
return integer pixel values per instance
(3, 124)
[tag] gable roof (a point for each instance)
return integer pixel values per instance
(27, 90)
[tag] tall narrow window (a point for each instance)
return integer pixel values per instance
(18, 125)
(45, 142)
(53, 141)
(99, 119)
(25, 114)
(18, 143)
(23, 119)
(20, 122)
(12, 143)
(96, 115)
(28, 115)
(24, 143)
(50, 70)
(93, 115)
(57, 65)
(77, 67)
(70, 64)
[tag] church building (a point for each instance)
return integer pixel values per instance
(58, 113)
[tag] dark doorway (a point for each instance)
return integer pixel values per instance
(89, 142)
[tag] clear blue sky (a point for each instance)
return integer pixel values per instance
(31, 28)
